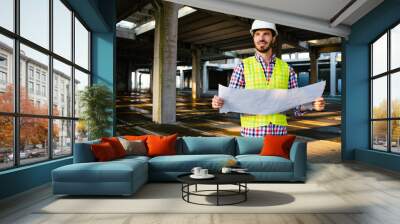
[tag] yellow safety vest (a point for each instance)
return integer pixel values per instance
(255, 79)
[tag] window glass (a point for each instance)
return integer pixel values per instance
(379, 56)
(382, 138)
(81, 45)
(35, 92)
(62, 29)
(379, 135)
(395, 95)
(395, 47)
(30, 58)
(81, 131)
(379, 98)
(6, 142)
(34, 21)
(62, 138)
(395, 136)
(7, 14)
(81, 81)
(62, 91)
(6, 74)
(34, 143)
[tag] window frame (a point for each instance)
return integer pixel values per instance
(16, 114)
(388, 74)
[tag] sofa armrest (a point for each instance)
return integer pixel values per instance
(298, 155)
(83, 152)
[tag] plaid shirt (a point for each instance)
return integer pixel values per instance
(238, 81)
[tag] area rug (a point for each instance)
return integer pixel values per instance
(167, 198)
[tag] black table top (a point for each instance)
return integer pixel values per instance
(220, 178)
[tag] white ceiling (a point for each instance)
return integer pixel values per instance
(314, 15)
(321, 9)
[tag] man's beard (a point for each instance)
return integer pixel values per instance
(263, 50)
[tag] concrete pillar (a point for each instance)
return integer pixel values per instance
(182, 79)
(196, 53)
(151, 80)
(188, 82)
(313, 65)
(129, 87)
(333, 74)
(135, 80)
(164, 68)
(205, 77)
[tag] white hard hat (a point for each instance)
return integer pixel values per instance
(258, 24)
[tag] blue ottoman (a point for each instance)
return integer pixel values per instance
(119, 177)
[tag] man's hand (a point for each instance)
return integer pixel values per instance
(319, 104)
(217, 102)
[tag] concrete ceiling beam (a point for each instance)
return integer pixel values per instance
(221, 36)
(268, 14)
(191, 26)
(125, 8)
(223, 33)
(211, 27)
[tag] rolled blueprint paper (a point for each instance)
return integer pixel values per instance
(249, 101)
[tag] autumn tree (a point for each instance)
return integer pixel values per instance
(6, 122)
(380, 127)
(33, 131)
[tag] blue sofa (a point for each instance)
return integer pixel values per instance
(125, 176)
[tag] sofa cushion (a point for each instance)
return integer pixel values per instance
(134, 147)
(185, 163)
(103, 152)
(257, 163)
(116, 145)
(161, 145)
(275, 145)
(249, 145)
(111, 171)
(135, 137)
(208, 145)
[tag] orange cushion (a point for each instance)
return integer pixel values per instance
(161, 145)
(116, 145)
(103, 152)
(135, 137)
(275, 145)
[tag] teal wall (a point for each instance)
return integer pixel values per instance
(355, 114)
(92, 12)
(103, 54)
(100, 16)
(24, 178)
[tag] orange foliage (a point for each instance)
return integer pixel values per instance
(33, 130)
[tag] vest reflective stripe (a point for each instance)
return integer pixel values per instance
(255, 79)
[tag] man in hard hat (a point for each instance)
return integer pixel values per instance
(265, 71)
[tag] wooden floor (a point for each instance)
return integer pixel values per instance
(378, 191)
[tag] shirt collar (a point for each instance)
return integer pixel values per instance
(261, 59)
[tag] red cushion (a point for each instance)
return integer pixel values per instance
(275, 145)
(135, 137)
(103, 151)
(161, 145)
(116, 145)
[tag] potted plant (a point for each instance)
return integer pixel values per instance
(96, 104)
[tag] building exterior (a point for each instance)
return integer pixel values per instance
(34, 81)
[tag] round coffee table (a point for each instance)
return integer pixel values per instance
(238, 179)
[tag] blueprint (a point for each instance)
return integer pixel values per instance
(273, 101)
